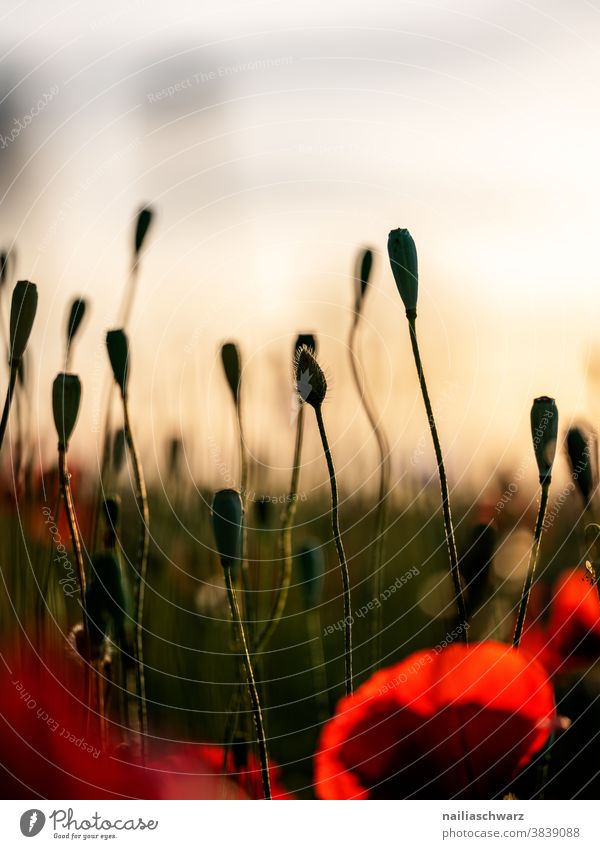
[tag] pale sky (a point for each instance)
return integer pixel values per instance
(276, 138)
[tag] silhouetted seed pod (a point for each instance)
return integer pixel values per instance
(111, 507)
(230, 357)
(106, 597)
(118, 353)
(174, 452)
(76, 315)
(579, 453)
(310, 380)
(264, 510)
(4, 263)
(305, 340)
(476, 564)
(544, 434)
(144, 220)
(22, 315)
(66, 399)
(363, 272)
(311, 568)
(403, 260)
(118, 453)
(227, 516)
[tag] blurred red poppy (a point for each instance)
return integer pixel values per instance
(453, 723)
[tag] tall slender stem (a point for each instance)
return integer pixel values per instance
(381, 509)
(448, 527)
(539, 526)
(256, 711)
(340, 551)
(8, 401)
(142, 567)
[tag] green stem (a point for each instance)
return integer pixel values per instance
(448, 527)
(537, 536)
(340, 551)
(142, 567)
(256, 711)
(8, 401)
(381, 510)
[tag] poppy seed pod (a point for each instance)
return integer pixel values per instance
(364, 265)
(305, 340)
(66, 398)
(144, 220)
(311, 384)
(311, 566)
(106, 599)
(403, 259)
(118, 449)
(227, 516)
(118, 353)
(544, 433)
(22, 314)
(112, 511)
(578, 451)
(76, 315)
(230, 357)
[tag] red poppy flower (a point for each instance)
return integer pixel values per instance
(455, 723)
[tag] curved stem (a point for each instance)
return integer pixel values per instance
(448, 527)
(381, 509)
(256, 711)
(8, 401)
(341, 554)
(539, 526)
(142, 567)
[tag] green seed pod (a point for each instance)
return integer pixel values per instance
(227, 516)
(22, 314)
(403, 259)
(305, 340)
(580, 461)
(544, 433)
(144, 220)
(311, 384)
(311, 568)
(66, 398)
(230, 357)
(364, 265)
(118, 353)
(76, 315)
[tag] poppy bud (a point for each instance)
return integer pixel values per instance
(311, 566)
(66, 397)
(22, 314)
(311, 384)
(227, 515)
(144, 220)
(305, 340)
(544, 433)
(118, 353)
(578, 450)
(230, 357)
(363, 272)
(403, 259)
(76, 315)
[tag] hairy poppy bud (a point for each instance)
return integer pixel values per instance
(144, 220)
(310, 380)
(227, 516)
(22, 314)
(578, 450)
(544, 433)
(403, 259)
(66, 397)
(230, 357)
(364, 265)
(305, 340)
(76, 314)
(311, 566)
(118, 353)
